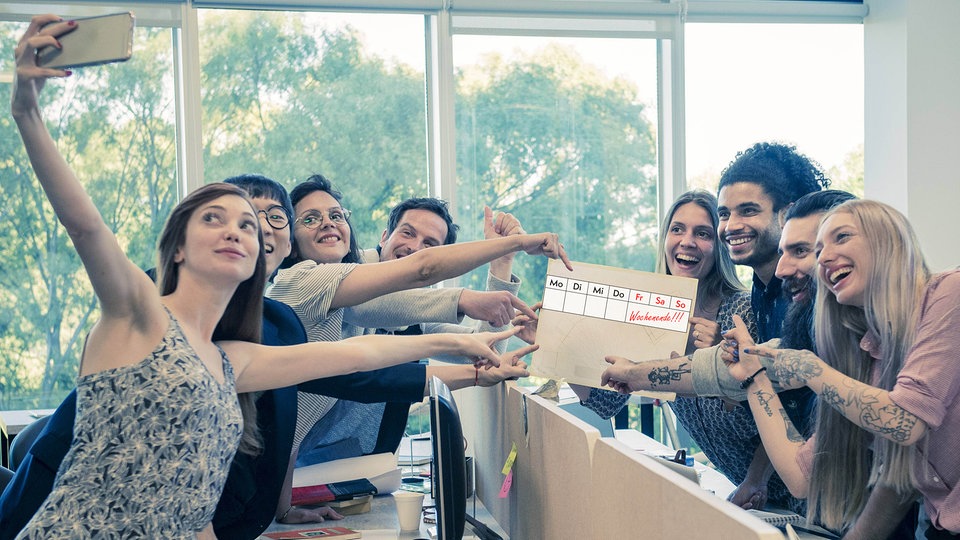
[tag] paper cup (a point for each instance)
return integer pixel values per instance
(409, 506)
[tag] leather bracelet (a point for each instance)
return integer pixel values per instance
(749, 380)
(476, 378)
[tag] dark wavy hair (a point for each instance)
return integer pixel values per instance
(318, 182)
(431, 204)
(783, 173)
(242, 319)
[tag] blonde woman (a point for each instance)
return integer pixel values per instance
(887, 374)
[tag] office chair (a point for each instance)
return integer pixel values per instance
(5, 476)
(24, 440)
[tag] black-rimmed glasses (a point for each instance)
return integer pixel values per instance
(276, 216)
(311, 219)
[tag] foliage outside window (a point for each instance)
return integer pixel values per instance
(115, 126)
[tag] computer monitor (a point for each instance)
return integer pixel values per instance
(449, 466)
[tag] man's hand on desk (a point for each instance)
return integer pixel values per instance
(300, 514)
(749, 496)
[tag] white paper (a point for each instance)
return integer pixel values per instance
(380, 469)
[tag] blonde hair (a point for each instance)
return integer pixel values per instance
(838, 485)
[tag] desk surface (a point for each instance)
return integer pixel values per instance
(710, 479)
(17, 420)
(381, 523)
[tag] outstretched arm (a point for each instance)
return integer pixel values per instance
(260, 367)
(866, 406)
(429, 266)
(116, 281)
(626, 376)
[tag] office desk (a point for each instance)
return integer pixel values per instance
(15, 421)
(711, 479)
(381, 523)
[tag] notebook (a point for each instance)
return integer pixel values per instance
(340, 533)
(335, 491)
(779, 518)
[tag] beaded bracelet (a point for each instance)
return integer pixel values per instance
(749, 380)
(476, 378)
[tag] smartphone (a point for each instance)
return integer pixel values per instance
(96, 40)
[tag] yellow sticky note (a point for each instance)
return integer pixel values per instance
(510, 459)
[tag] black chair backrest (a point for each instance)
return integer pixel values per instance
(24, 440)
(5, 476)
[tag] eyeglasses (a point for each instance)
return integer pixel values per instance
(276, 216)
(311, 219)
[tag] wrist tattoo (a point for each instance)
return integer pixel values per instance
(662, 376)
(764, 397)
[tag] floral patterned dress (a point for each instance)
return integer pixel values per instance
(151, 450)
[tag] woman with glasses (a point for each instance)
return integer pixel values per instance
(326, 286)
(158, 419)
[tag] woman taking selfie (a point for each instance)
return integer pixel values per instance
(158, 419)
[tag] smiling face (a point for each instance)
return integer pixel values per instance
(330, 241)
(749, 226)
(222, 239)
(798, 261)
(417, 229)
(276, 242)
(844, 259)
(689, 242)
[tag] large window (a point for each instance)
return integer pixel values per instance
(799, 84)
(115, 126)
(577, 125)
(562, 133)
(291, 94)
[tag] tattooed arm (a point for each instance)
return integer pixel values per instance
(781, 439)
(627, 376)
(867, 406)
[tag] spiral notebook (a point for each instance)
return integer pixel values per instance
(779, 518)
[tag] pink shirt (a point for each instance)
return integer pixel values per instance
(928, 387)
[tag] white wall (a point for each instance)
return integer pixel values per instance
(912, 117)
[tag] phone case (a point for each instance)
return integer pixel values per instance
(96, 40)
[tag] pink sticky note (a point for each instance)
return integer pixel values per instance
(505, 488)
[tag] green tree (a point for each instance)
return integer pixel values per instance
(334, 110)
(114, 126)
(553, 141)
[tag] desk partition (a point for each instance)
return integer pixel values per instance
(571, 483)
(636, 497)
(551, 473)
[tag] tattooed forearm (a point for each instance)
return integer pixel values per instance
(831, 396)
(796, 368)
(764, 397)
(874, 414)
(662, 376)
(792, 432)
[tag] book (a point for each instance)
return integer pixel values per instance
(334, 491)
(359, 505)
(340, 533)
(779, 518)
